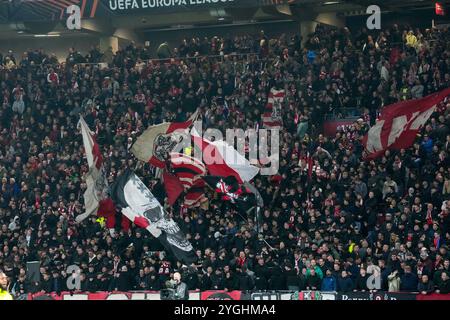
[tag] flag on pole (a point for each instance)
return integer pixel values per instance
(399, 124)
(272, 115)
(156, 143)
(97, 185)
(223, 160)
(140, 206)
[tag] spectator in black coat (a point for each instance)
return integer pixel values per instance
(46, 284)
(245, 282)
(361, 281)
(293, 281)
(408, 280)
(443, 285)
(124, 281)
(230, 282)
(261, 275)
(345, 283)
(277, 279)
(313, 281)
(425, 286)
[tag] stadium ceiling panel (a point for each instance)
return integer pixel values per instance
(44, 10)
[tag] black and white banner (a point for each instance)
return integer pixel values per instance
(140, 206)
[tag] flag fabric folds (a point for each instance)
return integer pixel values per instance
(173, 187)
(189, 170)
(272, 115)
(185, 176)
(195, 196)
(399, 124)
(140, 206)
(97, 185)
(223, 160)
(156, 143)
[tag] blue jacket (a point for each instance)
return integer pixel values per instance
(329, 283)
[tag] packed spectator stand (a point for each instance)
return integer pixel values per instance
(354, 218)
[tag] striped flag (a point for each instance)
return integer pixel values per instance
(189, 170)
(272, 116)
(186, 175)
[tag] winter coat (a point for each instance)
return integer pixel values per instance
(329, 283)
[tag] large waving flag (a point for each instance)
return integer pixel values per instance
(186, 173)
(97, 185)
(156, 143)
(140, 206)
(223, 160)
(189, 170)
(399, 124)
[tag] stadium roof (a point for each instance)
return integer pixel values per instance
(44, 10)
(44, 16)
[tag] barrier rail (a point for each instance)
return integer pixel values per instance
(239, 295)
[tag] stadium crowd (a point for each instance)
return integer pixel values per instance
(353, 218)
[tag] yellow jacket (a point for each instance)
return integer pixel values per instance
(5, 295)
(411, 40)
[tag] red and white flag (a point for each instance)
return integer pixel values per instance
(399, 124)
(272, 115)
(156, 143)
(186, 174)
(223, 160)
(195, 196)
(189, 170)
(96, 182)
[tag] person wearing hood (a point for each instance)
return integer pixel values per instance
(329, 282)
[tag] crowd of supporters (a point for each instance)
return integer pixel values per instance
(330, 232)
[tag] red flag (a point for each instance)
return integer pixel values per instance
(439, 9)
(107, 209)
(125, 223)
(173, 187)
(399, 124)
